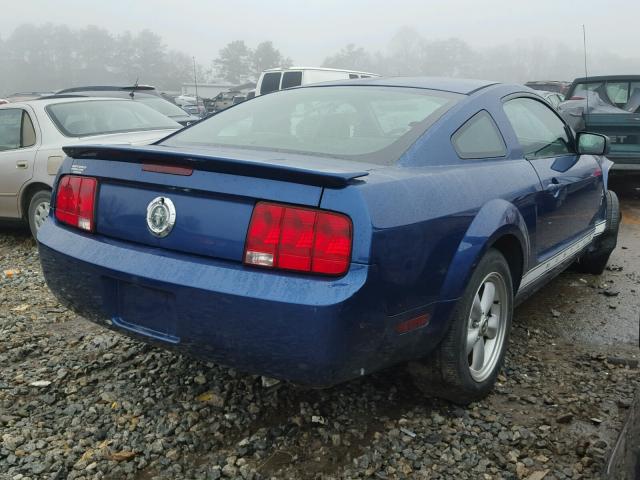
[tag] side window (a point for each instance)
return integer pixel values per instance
(479, 137)
(352, 76)
(618, 92)
(539, 130)
(270, 82)
(291, 79)
(28, 135)
(10, 126)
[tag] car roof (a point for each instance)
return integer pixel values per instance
(322, 69)
(546, 82)
(453, 85)
(53, 100)
(107, 88)
(624, 78)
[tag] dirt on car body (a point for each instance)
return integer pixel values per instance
(78, 402)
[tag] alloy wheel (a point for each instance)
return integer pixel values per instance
(487, 326)
(40, 214)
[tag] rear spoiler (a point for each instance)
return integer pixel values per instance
(333, 176)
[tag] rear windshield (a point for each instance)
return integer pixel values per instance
(621, 94)
(96, 117)
(161, 105)
(365, 123)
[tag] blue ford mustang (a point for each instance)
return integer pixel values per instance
(320, 233)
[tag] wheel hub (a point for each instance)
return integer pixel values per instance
(41, 213)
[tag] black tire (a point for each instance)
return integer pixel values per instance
(595, 260)
(38, 201)
(446, 372)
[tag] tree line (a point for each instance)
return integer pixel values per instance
(411, 54)
(50, 57)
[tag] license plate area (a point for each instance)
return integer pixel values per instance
(146, 311)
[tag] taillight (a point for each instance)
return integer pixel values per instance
(576, 98)
(75, 201)
(299, 239)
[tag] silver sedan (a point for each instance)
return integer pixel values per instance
(32, 134)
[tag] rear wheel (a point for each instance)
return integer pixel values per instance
(38, 210)
(596, 260)
(465, 365)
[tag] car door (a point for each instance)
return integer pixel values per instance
(18, 146)
(570, 198)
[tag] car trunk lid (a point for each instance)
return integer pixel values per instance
(213, 194)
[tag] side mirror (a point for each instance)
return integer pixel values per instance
(592, 144)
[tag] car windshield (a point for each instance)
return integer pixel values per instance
(161, 105)
(96, 117)
(366, 123)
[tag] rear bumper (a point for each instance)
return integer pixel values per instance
(308, 330)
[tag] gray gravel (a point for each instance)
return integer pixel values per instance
(79, 402)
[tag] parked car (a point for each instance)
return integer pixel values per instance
(553, 98)
(140, 93)
(32, 135)
(225, 100)
(321, 233)
(195, 110)
(275, 79)
(609, 105)
(549, 86)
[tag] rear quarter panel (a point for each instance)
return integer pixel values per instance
(431, 218)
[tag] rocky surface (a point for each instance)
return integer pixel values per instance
(79, 402)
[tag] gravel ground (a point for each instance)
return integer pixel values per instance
(80, 402)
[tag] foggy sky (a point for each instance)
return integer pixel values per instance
(310, 31)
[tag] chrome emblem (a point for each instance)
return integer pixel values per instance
(161, 216)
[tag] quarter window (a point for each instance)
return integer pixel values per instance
(539, 130)
(28, 134)
(479, 137)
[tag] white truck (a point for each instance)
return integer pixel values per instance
(280, 78)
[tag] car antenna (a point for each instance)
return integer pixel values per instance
(586, 73)
(135, 86)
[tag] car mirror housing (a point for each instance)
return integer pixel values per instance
(592, 144)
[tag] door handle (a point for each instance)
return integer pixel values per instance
(22, 164)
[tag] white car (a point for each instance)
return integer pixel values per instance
(32, 135)
(280, 78)
(554, 98)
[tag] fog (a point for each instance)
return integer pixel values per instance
(43, 47)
